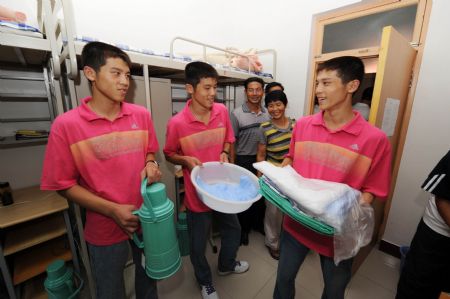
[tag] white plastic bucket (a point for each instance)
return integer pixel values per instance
(216, 172)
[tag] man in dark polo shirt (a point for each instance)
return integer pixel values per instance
(246, 121)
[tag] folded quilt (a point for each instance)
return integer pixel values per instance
(270, 192)
(329, 200)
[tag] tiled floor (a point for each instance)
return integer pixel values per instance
(376, 278)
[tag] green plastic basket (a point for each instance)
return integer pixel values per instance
(285, 206)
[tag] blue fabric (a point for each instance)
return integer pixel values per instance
(243, 191)
(337, 211)
(19, 26)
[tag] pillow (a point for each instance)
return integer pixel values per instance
(19, 12)
(243, 63)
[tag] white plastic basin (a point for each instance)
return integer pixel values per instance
(215, 172)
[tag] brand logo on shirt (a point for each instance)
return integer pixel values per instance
(134, 126)
(354, 147)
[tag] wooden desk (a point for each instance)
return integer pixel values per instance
(33, 204)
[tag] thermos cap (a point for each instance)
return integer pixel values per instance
(56, 269)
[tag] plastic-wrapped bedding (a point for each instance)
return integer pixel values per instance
(331, 203)
(284, 204)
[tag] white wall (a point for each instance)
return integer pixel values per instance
(428, 136)
(284, 26)
(21, 166)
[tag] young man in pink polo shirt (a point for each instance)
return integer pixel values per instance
(200, 133)
(96, 156)
(337, 145)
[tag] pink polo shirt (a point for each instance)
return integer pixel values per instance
(358, 154)
(186, 136)
(103, 156)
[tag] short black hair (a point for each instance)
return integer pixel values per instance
(276, 95)
(253, 79)
(197, 70)
(348, 68)
(95, 54)
(273, 84)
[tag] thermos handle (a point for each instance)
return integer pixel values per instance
(79, 287)
(139, 243)
(147, 199)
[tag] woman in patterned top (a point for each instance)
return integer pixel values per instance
(274, 139)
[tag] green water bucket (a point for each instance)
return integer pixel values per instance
(183, 235)
(59, 283)
(160, 244)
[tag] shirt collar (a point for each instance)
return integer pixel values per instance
(353, 127)
(246, 109)
(190, 116)
(89, 115)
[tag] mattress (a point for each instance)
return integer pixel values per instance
(19, 29)
(166, 55)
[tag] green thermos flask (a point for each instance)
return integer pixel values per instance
(59, 283)
(183, 236)
(160, 244)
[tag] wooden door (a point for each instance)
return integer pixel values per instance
(392, 84)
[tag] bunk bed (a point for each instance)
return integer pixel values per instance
(27, 41)
(168, 65)
(30, 98)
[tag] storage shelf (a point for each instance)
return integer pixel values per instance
(33, 233)
(37, 77)
(23, 95)
(31, 119)
(10, 141)
(30, 263)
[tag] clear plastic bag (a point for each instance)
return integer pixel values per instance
(355, 232)
(353, 224)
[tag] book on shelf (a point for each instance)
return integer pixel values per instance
(31, 134)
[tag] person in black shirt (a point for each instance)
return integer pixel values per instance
(427, 265)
